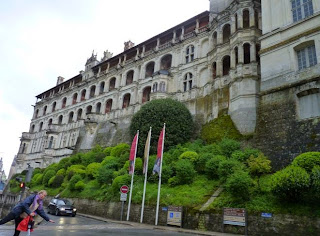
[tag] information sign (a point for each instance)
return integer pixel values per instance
(123, 197)
(235, 216)
(174, 216)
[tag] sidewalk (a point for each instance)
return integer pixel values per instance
(166, 228)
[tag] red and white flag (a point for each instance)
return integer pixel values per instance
(133, 154)
(157, 164)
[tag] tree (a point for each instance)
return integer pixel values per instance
(179, 124)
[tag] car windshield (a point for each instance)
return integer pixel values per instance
(63, 202)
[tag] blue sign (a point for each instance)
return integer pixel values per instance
(164, 208)
(266, 215)
(171, 214)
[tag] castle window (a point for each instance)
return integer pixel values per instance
(309, 103)
(89, 110)
(54, 106)
(257, 53)
(79, 114)
(215, 38)
(129, 78)
(83, 95)
(112, 84)
(36, 113)
(155, 87)
(149, 69)
(187, 83)
(226, 33)
(92, 91)
(236, 20)
(166, 62)
(40, 127)
(101, 87)
(301, 9)
(162, 87)
(236, 53)
(50, 142)
(246, 49)
(146, 94)
(60, 119)
(50, 122)
(226, 65)
(126, 100)
(214, 70)
(64, 102)
(23, 148)
(246, 19)
(307, 57)
(74, 98)
(108, 106)
(32, 129)
(190, 54)
(98, 107)
(45, 110)
(70, 117)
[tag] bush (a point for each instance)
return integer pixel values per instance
(111, 162)
(307, 160)
(92, 170)
(185, 172)
(105, 175)
(47, 176)
(107, 151)
(238, 185)
(213, 149)
(79, 185)
(57, 181)
(200, 165)
(228, 146)
(76, 169)
(61, 172)
(119, 181)
(36, 171)
(120, 149)
(228, 167)
(259, 165)
(37, 179)
(178, 119)
(212, 166)
(291, 183)
(219, 129)
(72, 183)
(189, 155)
(315, 181)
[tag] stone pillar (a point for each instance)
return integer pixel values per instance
(233, 59)
(241, 54)
(143, 50)
(124, 59)
(240, 20)
(219, 67)
(233, 24)
(251, 16)
(197, 26)
(137, 54)
(253, 57)
(158, 44)
(174, 37)
(108, 67)
(182, 33)
(219, 36)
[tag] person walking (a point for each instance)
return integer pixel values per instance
(30, 206)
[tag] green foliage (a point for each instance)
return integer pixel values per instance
(238, 185)
(315, 181)
(259, 165)
(105, 175)
(200, 164)
(92, 170)
(291, 183)
(107, 151)
(36, 171)
(64, 163)
(189, 155)
(120, 149)
(50, 181)
(185, 172)
(72, 183)
(228, 167)
(178, 119)
(214, 149)
(111, 162)
(219, 129)
(119, 181)
(79, 185)
(61, 172)
(75, 169)
(57, 181)
(228, 146)
(36, 179)
(212, 166)
(47, 176)
(307, 160)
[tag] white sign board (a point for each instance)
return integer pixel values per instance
(123, 197)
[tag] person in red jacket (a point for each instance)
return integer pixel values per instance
(30, 206)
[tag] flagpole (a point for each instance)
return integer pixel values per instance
(145, 177)
(131, 187)
(159, 186)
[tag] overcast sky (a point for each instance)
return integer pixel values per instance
(41, 40)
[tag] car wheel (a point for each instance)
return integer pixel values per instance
(57, 212)
(73, 215)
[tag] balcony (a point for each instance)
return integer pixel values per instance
(26, 136)
(53, 129)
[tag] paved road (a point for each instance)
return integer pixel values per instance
(81, 226)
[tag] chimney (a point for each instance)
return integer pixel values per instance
(128, 45)
(60, 80)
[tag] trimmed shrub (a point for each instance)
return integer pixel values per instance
(92, 170)
(120, 149)
(57, 181)
(105, 175)
(36, 179)
(36, 171)
(189, 155)
(61, 172)
(307, 160)
(238, 185)
(178, 119)
(50, 181)
(214, 149)
(315, 181)
(259, 165)
(47, 176)
(228, 146)
(75, 169)
(212, 166)
(200, 164)
(107, 151)
(72, 183)
(219, 129)
(79, 185)
(228, 167)
(291, 183)
(185, 172)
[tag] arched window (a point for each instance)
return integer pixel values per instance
(146, 94)
(236, 54)
(36, 113)
(214, 70)
(54, 106)
(70, 117)
(23, 148)
(50, 122)
(79, 114)
(129, 78)
(101, 87)
(112, 84)
(60, 119)
(89, 110)
(226, 33)
(215, 38)
(108, 106)
(64, 102)
(50, 142)
(74, 98)
(83, 95)
(226, 65)
(187, 83)
(98, 107)
(236, 20)
(246, 49)
(190, 54)
(92, 91)
(166, 62)
(155, 87)
(40, 126)
(149, 69)
(32, 129)
(246, 19)
(126, 100)
(162, 86)
(45, 110)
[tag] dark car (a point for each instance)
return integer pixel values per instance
(59, 206)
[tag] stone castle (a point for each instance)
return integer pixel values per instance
(256, 60)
